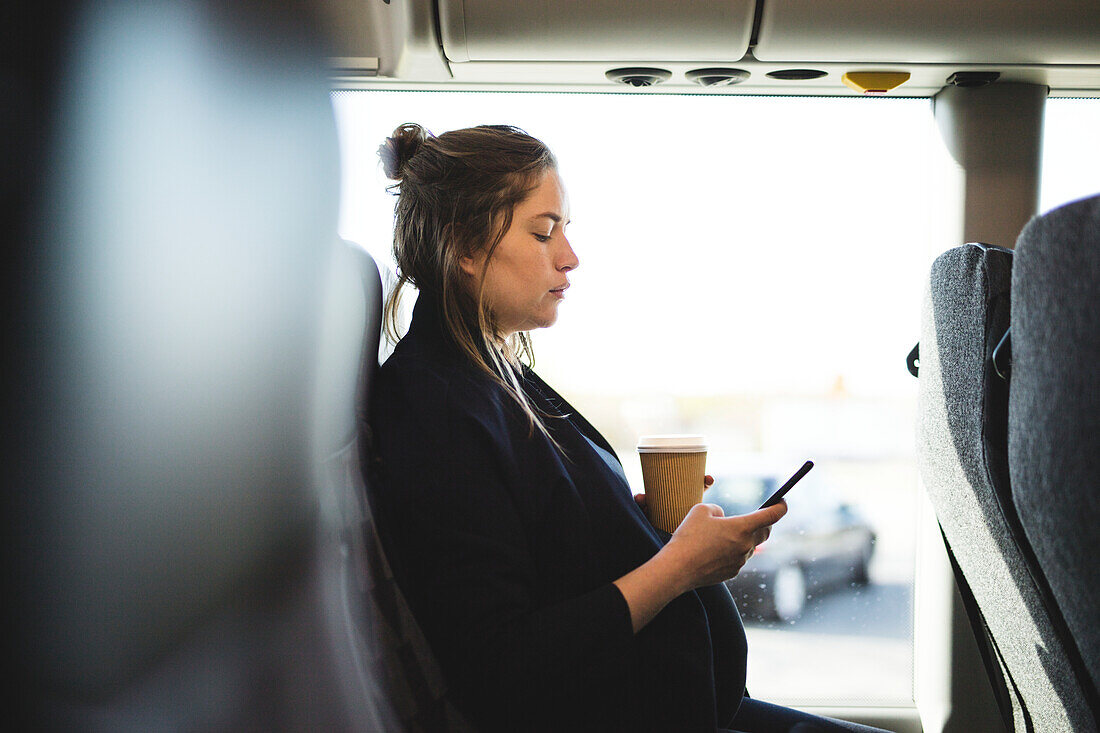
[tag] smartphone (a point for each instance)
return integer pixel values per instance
(782, 490)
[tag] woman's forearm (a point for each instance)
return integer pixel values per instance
(651, 586)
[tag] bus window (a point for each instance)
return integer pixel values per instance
(1071, 151)
(751, 269)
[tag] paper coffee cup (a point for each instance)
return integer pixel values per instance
(673, 467)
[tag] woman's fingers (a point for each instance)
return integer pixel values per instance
(713, 509)
(708, 480)
(714, 551)
(640, 498)
(767, 517)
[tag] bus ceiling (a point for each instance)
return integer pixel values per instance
(777, 47)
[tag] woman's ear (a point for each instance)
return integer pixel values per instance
(469, 263)
(470, 266)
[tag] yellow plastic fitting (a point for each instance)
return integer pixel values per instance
(875, 82)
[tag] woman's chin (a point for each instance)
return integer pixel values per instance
(549, 320)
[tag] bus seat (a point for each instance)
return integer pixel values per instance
(352, 312)
(962, 439)
(1054, 415)
(386, 636)
(166, 555)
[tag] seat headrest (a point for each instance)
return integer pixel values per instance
(1054, 407)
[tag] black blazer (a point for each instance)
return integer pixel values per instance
(506, 551)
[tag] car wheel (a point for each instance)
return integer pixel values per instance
(789, 593)
(860, 574)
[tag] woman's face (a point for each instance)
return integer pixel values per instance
(528, 273)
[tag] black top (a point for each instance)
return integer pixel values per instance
(506, 550)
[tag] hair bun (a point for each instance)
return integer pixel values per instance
(399, 148)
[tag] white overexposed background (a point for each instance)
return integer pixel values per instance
(750, 269)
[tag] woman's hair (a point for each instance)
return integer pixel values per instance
(456, 193)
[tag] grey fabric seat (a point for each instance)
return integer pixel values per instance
(396, 665)
(352, 320)
(964, 465)
(1054, 415)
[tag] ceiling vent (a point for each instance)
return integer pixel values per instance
(796, 74)
(973, 78)
(718, 77)
(639, 77)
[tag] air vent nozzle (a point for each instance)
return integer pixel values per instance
(717, 77)
(639, 77)
(973, 78)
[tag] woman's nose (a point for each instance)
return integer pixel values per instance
(568, 259)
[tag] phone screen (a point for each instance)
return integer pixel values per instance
(782, 490)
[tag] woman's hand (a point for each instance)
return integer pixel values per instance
(710, 547)
(706, 548)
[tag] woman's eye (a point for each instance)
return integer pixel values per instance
(542, 237)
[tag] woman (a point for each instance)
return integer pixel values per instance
(548, 598)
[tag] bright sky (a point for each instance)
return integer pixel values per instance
(727, 244)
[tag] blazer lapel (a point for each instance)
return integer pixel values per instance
(564, 407)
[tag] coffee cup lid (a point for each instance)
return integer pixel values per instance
(672, 444)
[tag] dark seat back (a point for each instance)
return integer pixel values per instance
(170, 554)
(1054, 417)
(964, 465)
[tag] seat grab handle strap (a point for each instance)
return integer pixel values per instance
(912, 362)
